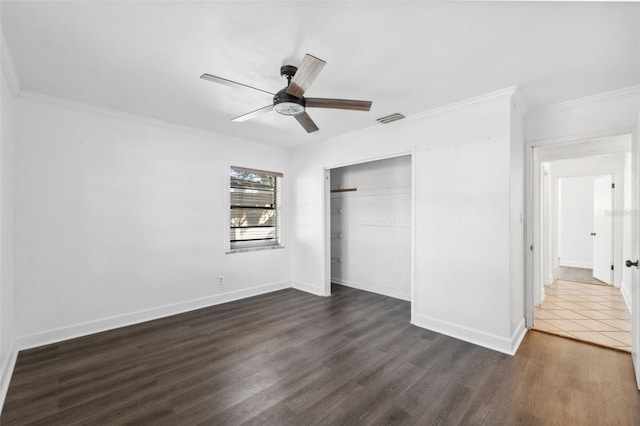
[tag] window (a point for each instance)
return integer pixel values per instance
(255, 208)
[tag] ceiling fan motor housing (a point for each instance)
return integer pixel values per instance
(286, 104)
(288, 71)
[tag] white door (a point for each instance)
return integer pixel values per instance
(603, 229)
(635, 234)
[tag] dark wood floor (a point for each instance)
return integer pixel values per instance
(293, 358)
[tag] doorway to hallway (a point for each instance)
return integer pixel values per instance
(581, 288)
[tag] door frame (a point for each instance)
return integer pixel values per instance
(586, 144)
(635, 250)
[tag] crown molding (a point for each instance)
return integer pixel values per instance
(476, 100)
(8, 67)
(507, 93)
(140, 119)
(631, 92)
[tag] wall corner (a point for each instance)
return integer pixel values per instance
(518, 102)
(7, 372)
(8, 66)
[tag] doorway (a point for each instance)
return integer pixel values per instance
(580, 193)
(370, 229)
(585, 223)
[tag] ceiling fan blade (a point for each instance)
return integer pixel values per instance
(253, 114)
(306, 122)
(307, 72)
(230, 83)
(337, 104)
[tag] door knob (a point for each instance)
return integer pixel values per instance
(630, 263)
(593, 234)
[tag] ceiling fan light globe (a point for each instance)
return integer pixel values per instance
(286, 104)
(289, 108)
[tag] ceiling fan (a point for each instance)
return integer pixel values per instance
(291, 100)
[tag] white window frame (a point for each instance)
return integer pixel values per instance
(255, 245)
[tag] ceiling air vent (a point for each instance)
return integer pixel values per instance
(390, 118)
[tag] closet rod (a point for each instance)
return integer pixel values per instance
(344, 190)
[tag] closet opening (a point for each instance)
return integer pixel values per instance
(371, 226)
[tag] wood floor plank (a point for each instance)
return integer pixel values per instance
(288, 357)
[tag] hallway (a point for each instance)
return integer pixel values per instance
(587, 312)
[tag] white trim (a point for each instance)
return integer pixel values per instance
(414, 192)
(326, 231)
(626, 296)
(579, 137)
(452, 107)
(254, 248)
(109, 323)
(569, 147)
(531, 232)
(548, 281)
(8, 66)
(509, 92)
(155, 122)
(633, 91)
(308, 288)
(517, 336)
(389, 292)
(387, 156)
(575, 264)
(7, 372)
(505, 345)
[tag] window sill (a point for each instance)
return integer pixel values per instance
(249, 249)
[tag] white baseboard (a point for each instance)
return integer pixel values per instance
(103, 324)
(308, 288)
(7, 371)
(497, 343)
(517, 336)
(374, 289)
(549, 280)
(624, 290)
(576, 264)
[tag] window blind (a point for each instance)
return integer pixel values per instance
(254, 202)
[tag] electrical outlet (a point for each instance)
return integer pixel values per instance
(220, 280)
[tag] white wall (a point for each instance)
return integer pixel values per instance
(120, 220)
(371, 227)
(462, 238)
(575, 244)
(8, 88)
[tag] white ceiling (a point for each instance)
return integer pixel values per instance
(146, 57)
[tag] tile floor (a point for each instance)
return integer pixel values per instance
(588, 312)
